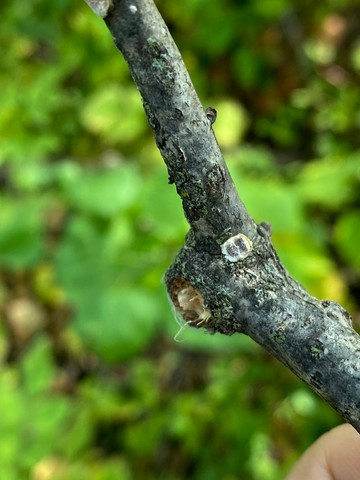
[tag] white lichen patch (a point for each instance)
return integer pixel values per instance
(237, 248)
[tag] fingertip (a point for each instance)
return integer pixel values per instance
(342, 452)
(334, 456)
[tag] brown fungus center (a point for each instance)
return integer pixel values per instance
(189, 302)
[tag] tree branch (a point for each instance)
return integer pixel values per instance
(228, 278)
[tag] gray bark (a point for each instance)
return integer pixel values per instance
(222, 281)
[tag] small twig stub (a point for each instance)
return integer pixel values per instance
(211, 114)
(100, 7)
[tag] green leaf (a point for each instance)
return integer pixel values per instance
(121, 324)
(38, 368)
(231, 124)
(273, 201)
(11, 402)
(308, 261)
(253, 161)
(114, 321)
(161, 208)
(21, 242)
(80, 265)
(248, 67)
(115, 113)
(103, 192)
(31, 176)
(330, 182)
(347, 237)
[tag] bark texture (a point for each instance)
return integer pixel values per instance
(228, 278)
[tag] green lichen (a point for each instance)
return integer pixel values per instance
(162, 66)
(279, 337)
(315, 351)
(151, 41)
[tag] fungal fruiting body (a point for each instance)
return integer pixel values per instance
(189, 303)
(237, 248)
(190, 300)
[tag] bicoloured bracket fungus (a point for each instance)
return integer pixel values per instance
(237, 248)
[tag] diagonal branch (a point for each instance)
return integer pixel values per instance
(228, 278)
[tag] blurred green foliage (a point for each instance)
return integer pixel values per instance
(92, 383)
